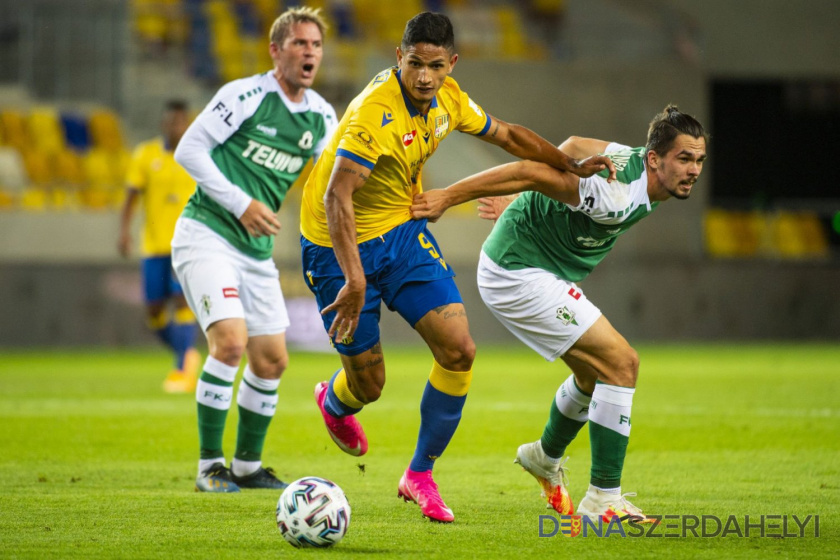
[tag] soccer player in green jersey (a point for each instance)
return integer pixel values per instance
(245, 150)
(544, 242)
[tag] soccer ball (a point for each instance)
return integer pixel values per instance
(313, 512)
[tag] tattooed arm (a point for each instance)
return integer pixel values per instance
(524, 143)
(347, 177)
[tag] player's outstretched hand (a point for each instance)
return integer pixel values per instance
(259, 220)
(592, 165)
(491, 207)
(348, 306)
(430, 205)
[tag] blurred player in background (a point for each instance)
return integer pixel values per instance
(164, 188)
(542, 244)
(245, 150)
(361, 247)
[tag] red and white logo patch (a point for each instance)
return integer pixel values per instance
(409, 138)
(230, 292)
(575, 293)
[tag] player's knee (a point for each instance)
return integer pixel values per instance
(459, 355)
(625, 368)
(270, 366)
(228, 348)
(367, 390)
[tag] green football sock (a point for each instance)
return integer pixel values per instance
(609, 433)
(257, 400)
(569, 412)
(213, 395)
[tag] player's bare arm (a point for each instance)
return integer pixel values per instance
(582, 148)
(510, 178)
(524, 143)
(124, 241)
(259, 220)
(490, 208)
(347, 177)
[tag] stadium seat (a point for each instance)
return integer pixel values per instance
(68, 169)
(799, 235)
(38, 167)
(733, 234)
(104, 126)
(14, 128)
(76, 134)
(45, 130)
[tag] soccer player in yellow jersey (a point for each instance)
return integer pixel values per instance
(164, 188)
(360, 246)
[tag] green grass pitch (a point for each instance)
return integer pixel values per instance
(96, 462)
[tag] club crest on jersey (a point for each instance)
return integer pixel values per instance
(441, 126)
(206, 304)
(409, 138)
(306, 140)
(566, 316)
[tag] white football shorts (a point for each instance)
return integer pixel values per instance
(221, 282)
(545, 312)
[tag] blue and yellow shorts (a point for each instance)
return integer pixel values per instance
(404, 268)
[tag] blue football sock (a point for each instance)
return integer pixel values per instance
(439, 417)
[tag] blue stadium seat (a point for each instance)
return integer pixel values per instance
(76, 132)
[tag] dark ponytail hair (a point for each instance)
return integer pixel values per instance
(667, 125)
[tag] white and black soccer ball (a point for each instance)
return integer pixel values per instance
(313, 512)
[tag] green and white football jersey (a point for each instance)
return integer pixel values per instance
(536, 231)
(264, 142)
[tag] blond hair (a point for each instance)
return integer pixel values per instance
(282, 26)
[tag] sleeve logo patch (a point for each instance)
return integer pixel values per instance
(230, 292)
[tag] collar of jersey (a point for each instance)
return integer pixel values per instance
(293, 106)
(412, 110)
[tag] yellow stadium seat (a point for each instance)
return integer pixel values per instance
(255, 55)
(67, 168)
(7, 199)
(45, 130)
(733, 234)
(799, 235)
(38, 167)
(512, 40)
(34, 199)
(14, 128)
(97, 168)
(105, 130)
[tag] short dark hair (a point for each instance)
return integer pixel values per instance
(429, 27)
(667, 125)
(176, 105)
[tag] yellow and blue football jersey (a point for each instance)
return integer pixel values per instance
(165, 188)
(383, 131)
